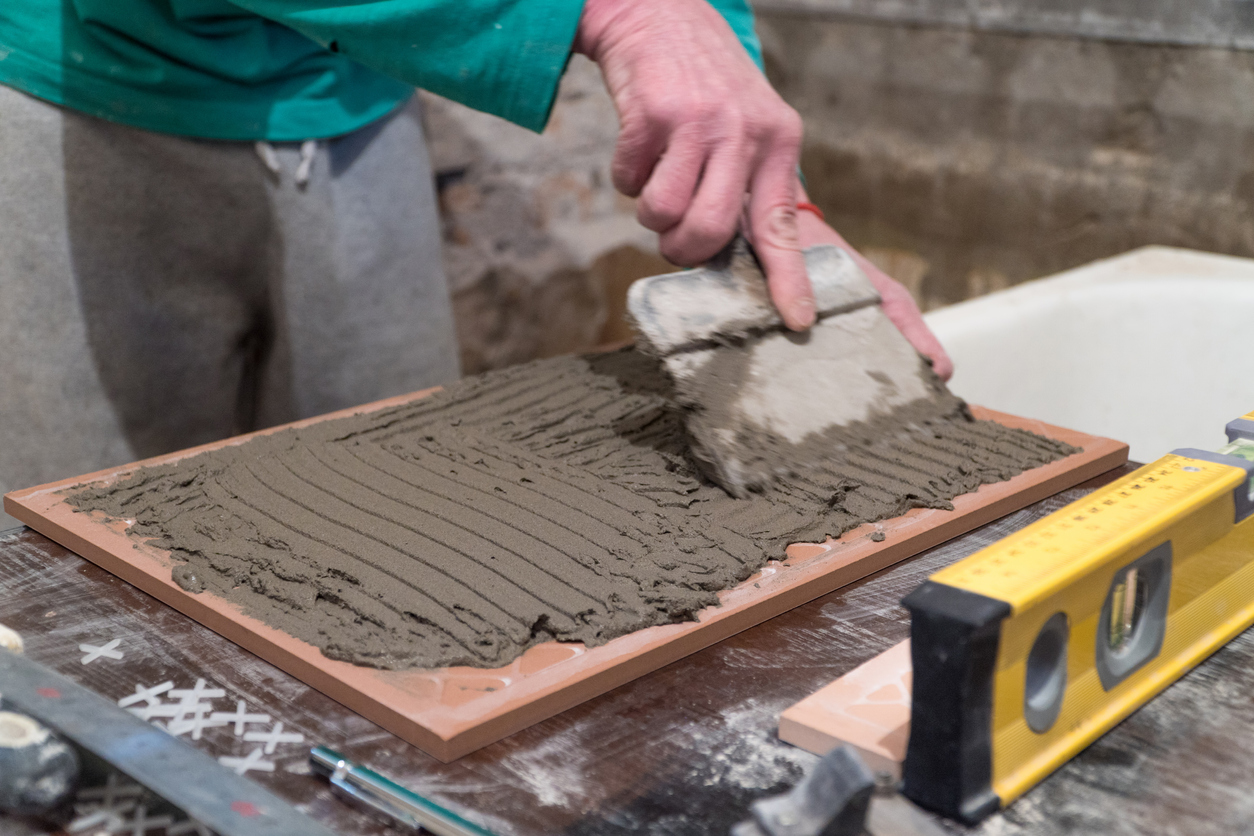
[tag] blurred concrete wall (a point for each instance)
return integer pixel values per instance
(965, 145)
(538, 246)
(964, 161)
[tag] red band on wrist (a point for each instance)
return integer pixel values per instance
(810, 207)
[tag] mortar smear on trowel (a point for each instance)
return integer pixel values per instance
(763, 401)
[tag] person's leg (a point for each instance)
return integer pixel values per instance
(362, 308)
(162, 292)
(171, 243)
(57, 420)
(134, 270)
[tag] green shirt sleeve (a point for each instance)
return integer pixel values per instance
(504, 57)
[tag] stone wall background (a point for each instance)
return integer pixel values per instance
(538, 246)
(960, 160)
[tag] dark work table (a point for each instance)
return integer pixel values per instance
(683, 750)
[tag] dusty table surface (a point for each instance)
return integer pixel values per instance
(683, 750)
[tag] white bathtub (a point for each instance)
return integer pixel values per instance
(1153, 347)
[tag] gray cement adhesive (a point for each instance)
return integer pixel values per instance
(767, 408)
(553, 500)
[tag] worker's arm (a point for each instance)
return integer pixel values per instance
(704, 138)
(709, 147)
(504, 57)
(740, 18)
(701, 127)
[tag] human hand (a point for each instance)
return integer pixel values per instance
(899, 306)
(701, 128)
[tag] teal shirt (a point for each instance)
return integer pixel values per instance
(293, 69)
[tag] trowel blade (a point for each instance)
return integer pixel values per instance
(761, 400)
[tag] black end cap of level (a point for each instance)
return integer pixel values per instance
(954, 636)
(938, 600)
(1240, 428)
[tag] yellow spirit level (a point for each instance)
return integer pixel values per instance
(1030, 649)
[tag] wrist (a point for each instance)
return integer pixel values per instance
(597, 18)
(814, 231)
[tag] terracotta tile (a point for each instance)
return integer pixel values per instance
(451, 712)
(867, 708)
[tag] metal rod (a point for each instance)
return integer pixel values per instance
(388, 798)
(191, 780)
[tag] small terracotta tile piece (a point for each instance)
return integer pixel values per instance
(867, 708)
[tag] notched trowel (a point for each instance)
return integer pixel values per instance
(761, 400)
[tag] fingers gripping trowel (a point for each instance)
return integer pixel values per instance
(763, 400)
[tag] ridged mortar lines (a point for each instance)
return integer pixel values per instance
(542, 532)
(622, 513)
(553, 500)
(350, 541)
(544, 585)
(302, 523)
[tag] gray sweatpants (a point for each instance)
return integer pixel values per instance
(161, 292)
